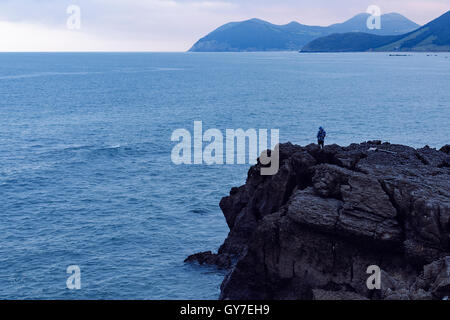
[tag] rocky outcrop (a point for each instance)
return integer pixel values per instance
(446, 149)
(222, 261)
(312, 230)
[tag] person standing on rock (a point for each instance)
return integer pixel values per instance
(321, 137)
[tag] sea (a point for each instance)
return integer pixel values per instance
(86, 173)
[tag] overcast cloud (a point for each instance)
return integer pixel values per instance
(170, 25)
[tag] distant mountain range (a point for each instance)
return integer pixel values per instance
(434, 36)
(259, 35)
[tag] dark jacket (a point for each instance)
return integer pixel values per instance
(321, 134)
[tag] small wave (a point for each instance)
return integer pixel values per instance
(113, 148)
(200, 210)
(169, 69)
(106, 150)
(74, 147)
(151, 69)
(44, 74)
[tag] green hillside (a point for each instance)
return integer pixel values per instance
(434, 36)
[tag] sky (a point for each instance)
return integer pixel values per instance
(169, 25)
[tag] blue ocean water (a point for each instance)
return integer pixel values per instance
(86, 176)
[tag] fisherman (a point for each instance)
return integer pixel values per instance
(321, 137)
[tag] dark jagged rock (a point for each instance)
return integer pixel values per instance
(221, 261)
(446, 149)
(319, 294)
(312, 230)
